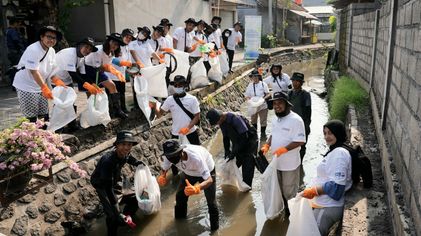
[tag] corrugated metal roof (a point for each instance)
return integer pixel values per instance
(242, 2)
(304, 14)
(320, 10)
(282, 5)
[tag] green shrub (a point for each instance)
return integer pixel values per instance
(344, 92)
(268, 41)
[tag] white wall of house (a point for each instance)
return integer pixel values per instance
(131, 13)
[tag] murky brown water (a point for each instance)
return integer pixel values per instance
(240, 213)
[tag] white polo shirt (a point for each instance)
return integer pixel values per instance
(286, 130)
(199, 162)
(217, 34)
(31, 61)
(98, 58)
(179, 118)
(125, 56)
(143, 51)
(67, 60)
(169, 41)
(181, 35)
(336, 167)
(200, 36)
(279, 85)
(256, 90)
(234, 39)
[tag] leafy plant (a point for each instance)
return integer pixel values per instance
(332, 22)
(268, 41)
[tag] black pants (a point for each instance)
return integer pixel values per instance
(230, 57)
(246, 162)
(192, 137)
(113, 219)
(207, 66)
(180, 209)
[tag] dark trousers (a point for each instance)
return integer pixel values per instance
(246, 162)
(180, 209)
(207, 66)
(121, 89)
(230, 57)
(113, 219)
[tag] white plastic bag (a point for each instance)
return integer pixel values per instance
(199, 77)
(223, 59)
(63, 111)
(155, 77)
(215, 72)
(142, 97)
(183, 64)
(230, 174)
(147, 191)
(183, 140)
(271, 192)
(301, 220)
(96, 112)
(253, 105)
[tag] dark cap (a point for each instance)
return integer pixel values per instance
(239, 24)
(125, 136)
(217, 18)
(159, 28)
(210, 28)
(298, 76)
(281, 96)
(144, 29)
(179, 79)
(88, 41)
(190, 20)
(254, 73)
(213, 116)
(53, 29)
(275, 65)
(126, 32)
(201, 22)
(171, 147)
(165, 22)
(116, 37)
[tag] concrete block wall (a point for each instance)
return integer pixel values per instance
(402, 131)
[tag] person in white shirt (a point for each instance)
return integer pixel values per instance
(99, 62)
(234, 37)
(333, 178)
(258, 88)
(183, 38)
(209, 38)
(217, 34)
(198, 37)
(167, 27)
(70, 64)
(141, 51)
(199, 174)
(183, 123)
(35, 68)
(278, 81)
(127, 36)
(288, 134)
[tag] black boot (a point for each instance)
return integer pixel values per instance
(263, 133)
(123, 102)
(115, 97)
(255, 126)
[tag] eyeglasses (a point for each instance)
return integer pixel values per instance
(50, 37)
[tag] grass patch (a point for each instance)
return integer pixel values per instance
(344, 92)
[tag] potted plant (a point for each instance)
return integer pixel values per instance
(26, 148)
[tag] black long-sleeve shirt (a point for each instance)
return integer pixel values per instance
(235, 130)
(107, 173)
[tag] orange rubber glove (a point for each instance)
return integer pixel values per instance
(162, 181)
(91, 89)
(162, 56)
(169, 50)
(265, 148)
(212, 54)
(98, 89)
(194, 46)
(46, 92)
(280, 151)
(190, 189)
(201, 41)
(310, 192)
(161, 61)
(57, 81)
(140, 64)
(125, 63)
(114, 71)
(260, 70)
(184, 131)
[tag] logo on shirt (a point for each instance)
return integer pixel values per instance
(339, 174)
(301, 135)
(29, 61)
(286, 129)
(69, 65)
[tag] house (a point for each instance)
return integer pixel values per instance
(322, 26)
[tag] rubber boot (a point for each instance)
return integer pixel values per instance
(263, 133)
(110, 104)
(255, 126)
(123, 103)
(115, 97)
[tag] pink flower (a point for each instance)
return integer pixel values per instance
(3, 166)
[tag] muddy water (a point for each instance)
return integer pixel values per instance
(240, 213)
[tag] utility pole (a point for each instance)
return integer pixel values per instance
(276, 19)
(270, 3)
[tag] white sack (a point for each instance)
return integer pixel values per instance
(63, 111)
(230, 174)
(147, 191)
(301, 220)
(199, 77)
(271, 192)
(96, 112)
(155, 77)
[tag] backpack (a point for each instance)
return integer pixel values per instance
(361, 166)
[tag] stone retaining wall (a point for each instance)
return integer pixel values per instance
(72, 198)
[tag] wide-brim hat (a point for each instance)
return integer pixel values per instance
(179, 79)
(146, 30)
(213, 116)
(159, 28)
(217, 18)
(171, 147)
(211, 27)
(281, 96)
(201, 22)
(255, 73)
(298, 76)
(125, 136)
(53, 29)
(126, 32)
(165, 22)
(88, 41)
(276, 65)
(117, 37)
(191, 20)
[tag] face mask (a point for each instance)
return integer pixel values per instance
(141, 37)
(175, 159)
(179, 90)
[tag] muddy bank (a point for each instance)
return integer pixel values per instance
(71, 198)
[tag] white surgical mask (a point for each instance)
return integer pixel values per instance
(179, 90)
(141, 37)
